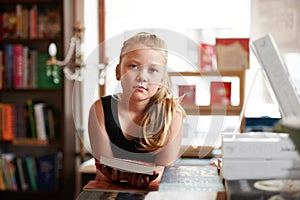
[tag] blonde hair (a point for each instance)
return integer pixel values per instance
(163, 105)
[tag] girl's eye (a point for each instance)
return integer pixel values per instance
(153, 69)
(132, 66)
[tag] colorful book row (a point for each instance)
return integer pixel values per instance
(24, 68)
(28, 172)
(35, 120)
(30, 22)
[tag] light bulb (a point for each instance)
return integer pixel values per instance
(52, 50)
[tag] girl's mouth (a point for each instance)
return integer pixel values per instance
(140, 87)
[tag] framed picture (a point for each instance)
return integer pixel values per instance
(220, 93)
(187, 93)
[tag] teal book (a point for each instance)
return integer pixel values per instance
(32, 171)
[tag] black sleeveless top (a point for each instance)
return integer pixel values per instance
(121, 147)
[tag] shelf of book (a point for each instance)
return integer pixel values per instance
(215, 109)
(34, 100)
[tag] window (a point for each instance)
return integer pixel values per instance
(201, 21)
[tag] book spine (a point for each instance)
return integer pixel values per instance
(40, 121)
(31, 118)
(20, 121)
(1, 120)
(32, 171)
(8, 122)
(8, 62)
(33, 15)
(2, 181)
(18, 20)
(25, 66)
(2, 68)
(18, 68)
(33, 69)
(9, 160)
(25, 23)
(46, 172)
(49, 122)
(6, 174)
(23, 185)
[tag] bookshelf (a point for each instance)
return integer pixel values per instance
(193, 109)
(58, 149)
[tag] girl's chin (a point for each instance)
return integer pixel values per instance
(139, 95)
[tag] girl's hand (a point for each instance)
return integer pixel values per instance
(141, 180)
(112, 173)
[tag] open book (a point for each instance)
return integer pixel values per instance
(129, 165)
(269, 57)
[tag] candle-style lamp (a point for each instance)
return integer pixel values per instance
(73, 70)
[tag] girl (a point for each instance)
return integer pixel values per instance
(144, 121)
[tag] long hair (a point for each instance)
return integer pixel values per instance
(163, 105)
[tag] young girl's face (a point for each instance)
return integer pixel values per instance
(141, 73)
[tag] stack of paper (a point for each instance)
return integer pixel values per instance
(259, 155)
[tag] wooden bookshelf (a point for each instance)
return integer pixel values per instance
(216, 109)
(63, 145)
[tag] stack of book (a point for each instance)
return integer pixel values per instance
(259, 155)
(260, 165)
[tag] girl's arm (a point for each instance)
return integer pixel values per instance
(99, 140)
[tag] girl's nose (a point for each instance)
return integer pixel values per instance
(142, 75)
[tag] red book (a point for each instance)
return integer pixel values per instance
(33, 29)
(232, 53)
(220, 93)
(18, 68)
(187, 93)
(94, 185)
(207, 55)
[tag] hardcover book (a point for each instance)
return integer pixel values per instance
(7, 112)
(8, 63)
(46, 171)
(18, 66)
(129, 165)
(22, 178)
(32, 171)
